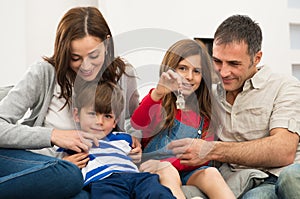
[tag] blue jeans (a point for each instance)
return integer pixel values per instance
(130, 185)
(24, 174)
(286, 186)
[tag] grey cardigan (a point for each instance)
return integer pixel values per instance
(34, 92)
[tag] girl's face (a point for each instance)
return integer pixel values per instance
(190, 69)
(88, 56)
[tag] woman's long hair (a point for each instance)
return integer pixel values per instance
(76, 24)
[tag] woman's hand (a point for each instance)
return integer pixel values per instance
(79, 159)
(75, 140)
(136, 152)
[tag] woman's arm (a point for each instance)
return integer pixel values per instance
(29, 93)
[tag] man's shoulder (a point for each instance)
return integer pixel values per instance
(276, 78)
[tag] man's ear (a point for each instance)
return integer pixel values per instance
(76, 115)
(257, 57)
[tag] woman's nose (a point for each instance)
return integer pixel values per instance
(85, 64)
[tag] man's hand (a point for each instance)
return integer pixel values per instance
(190, 151)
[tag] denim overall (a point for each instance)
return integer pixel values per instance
(157, 147)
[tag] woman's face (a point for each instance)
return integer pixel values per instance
(87, 57)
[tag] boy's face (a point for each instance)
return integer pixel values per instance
(93, 122)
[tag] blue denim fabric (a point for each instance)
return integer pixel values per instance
(185, 175)
(130, 185)
(286, 186)
(24, 174)
(157, 146)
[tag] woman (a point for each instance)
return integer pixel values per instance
(83, 51)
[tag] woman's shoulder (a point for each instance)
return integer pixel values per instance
(42, 66)
(41, 71)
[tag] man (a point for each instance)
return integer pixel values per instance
(262, 124)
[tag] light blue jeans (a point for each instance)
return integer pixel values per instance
(286, 186)
(24, 174)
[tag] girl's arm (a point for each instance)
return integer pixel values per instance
(145, 116)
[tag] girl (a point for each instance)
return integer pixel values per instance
(180, 106)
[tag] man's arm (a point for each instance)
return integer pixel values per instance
(276, 150)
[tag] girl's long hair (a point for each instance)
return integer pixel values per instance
(200, 101)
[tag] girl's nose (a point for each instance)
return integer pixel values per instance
(189, 75)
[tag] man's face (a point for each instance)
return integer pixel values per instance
(234, 64)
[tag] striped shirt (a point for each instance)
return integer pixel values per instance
(110, 157)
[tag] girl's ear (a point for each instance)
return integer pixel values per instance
(76, 115)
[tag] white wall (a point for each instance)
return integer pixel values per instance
(27, 33)
(28, 29)
(198, 18)
(12, 39)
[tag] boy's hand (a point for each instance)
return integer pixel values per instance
(136, 152)
(79, 159)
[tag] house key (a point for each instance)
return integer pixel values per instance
(180, 102)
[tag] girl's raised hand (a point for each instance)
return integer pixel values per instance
(169, 81)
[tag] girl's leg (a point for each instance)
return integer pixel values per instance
(169, 177)
(24, 174)
(211, 182)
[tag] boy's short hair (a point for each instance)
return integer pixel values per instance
(105, 97)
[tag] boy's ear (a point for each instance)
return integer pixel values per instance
(115, 123)
(76, 115)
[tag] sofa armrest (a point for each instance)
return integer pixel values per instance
(4, 90)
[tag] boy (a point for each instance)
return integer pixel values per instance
(110, 173)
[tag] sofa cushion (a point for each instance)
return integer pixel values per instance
(192, 191)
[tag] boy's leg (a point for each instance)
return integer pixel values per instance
(24, 174)
(148, 186)
(112, 187)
